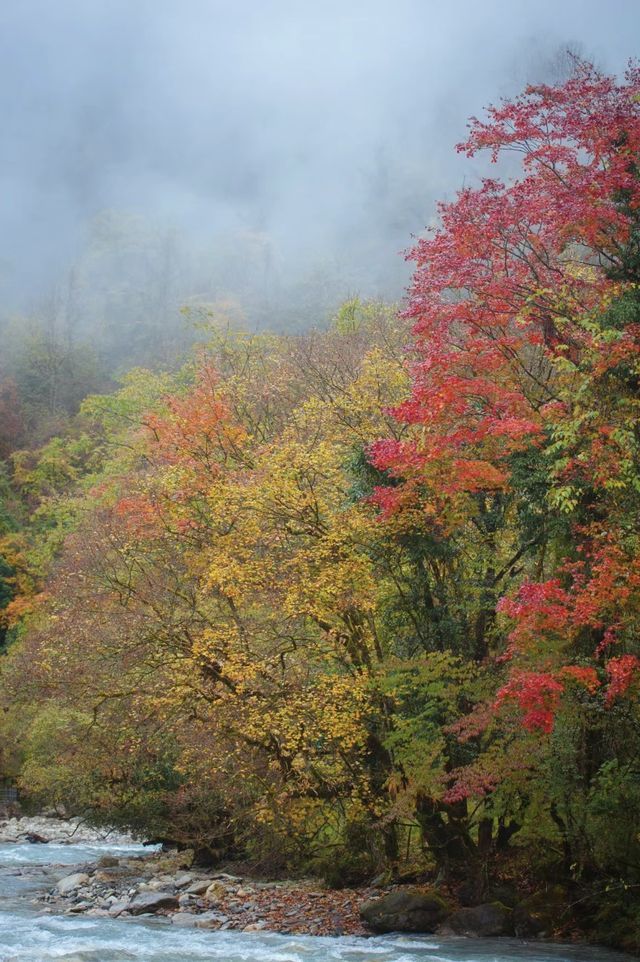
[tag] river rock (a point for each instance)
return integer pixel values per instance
(108, 861)
(492, 918)
(211, 920)
(157, 884)
(215, 892)
(108, 874)
(185, 918)
(171, 863)
(81, 907)
(152, 902)
(70, 883)
(404, 911)
(118, 907)
(199, 888)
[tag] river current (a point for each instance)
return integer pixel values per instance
(27, 935)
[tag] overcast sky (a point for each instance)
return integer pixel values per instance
(327, 125)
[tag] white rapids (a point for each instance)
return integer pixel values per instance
(28, 935)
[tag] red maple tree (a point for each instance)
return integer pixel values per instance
(527, 336)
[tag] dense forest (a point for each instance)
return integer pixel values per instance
(361, 600)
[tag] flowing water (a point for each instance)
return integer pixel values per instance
(26, 935)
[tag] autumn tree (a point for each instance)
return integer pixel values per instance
(522, 455)
(228, 597)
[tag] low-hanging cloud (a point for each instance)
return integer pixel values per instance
(326, 128)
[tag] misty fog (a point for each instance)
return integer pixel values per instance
(258, 159)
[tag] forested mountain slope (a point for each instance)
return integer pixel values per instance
(328, 602)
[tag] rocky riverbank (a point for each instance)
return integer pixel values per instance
(166, 884)
(42, 829)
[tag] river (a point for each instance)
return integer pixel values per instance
(27, 935)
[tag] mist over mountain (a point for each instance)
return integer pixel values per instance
(266, 158)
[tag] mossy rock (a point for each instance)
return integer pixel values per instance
(405, 910)
(480, 921)
(172, 862)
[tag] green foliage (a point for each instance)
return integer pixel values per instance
(357, 316)
(427, 692)
(46, 741)
(134, 797)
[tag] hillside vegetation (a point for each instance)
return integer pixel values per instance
(366, 600)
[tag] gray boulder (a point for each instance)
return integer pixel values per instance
(404, 911)
(493, 918)
(118, 907)
(185, 918)
(80, 907)
(211, 920)
(70, 883)
(152, 902)
(198, 888)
